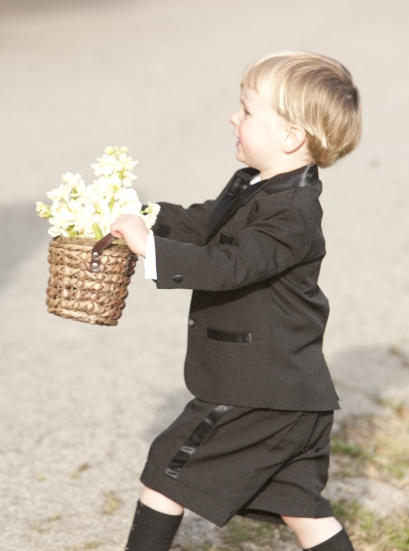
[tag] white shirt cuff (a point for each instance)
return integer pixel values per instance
(150, 259)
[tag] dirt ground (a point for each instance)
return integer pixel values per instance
(80, 404)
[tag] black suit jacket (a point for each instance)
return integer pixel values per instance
(257, 315)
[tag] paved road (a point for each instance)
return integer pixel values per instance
(81, 404)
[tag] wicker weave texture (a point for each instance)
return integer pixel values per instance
(77, 293)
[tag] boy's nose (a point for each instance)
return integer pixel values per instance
(233, 118)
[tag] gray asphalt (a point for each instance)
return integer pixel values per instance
(80, 404)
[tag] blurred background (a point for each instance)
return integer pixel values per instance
(80, 404)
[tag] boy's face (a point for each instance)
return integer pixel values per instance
(260, 130)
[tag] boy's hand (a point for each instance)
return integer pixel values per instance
(132, 229)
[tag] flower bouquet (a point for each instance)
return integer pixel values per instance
(90, 269)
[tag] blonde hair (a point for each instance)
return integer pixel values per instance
(316, 92)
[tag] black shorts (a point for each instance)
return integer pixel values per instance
(220, 461)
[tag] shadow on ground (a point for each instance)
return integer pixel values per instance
(171, 408)
(21, 233)
(23, 6)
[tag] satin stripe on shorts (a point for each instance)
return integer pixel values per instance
(196, 438)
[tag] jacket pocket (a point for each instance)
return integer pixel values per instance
(229, 336)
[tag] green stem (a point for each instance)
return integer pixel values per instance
(97, 231)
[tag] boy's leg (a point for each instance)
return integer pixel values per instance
(319, 534)
(155, 524)
(159, 502)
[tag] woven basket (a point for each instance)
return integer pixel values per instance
(88, 282)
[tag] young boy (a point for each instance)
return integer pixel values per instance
(255, 440)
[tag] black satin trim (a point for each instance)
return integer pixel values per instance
(228, 336)
(194, 441)
(226, 239)
(301, 177)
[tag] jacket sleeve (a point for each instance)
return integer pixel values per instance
(276, 239)
(188, 225)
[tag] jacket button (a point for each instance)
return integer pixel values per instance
(178, 278)
(191, 322)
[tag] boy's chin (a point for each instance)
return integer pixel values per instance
(240, 157)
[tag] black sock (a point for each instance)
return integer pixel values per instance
(152, 530)
(339, 542)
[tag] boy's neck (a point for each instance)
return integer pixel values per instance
(286, 165)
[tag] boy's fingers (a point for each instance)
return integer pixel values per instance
(115, 232)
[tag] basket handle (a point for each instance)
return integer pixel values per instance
(99, 248)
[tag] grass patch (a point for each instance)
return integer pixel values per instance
(43, 525)
(53, 518)
(38, 529)
(81, 468)
(374, 447)
(367, 531)
(111, 503)
(395, 350)
(399, 408)
(196, 547)
(242, 534)
(371, 532)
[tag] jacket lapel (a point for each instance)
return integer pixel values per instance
(241, 190)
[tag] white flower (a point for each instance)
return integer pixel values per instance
(106, 166)
(61, 193)
(149, 221)
(127, 164)
(62, 218)
(62, 212)
(72, 179)
(127, 182)
(102, 208)
(55, 231)
(79, 190)
(89, 232)
(80, 226)
(44, 211)
(76, 208)
(150, 214)
(128, 195)
(98, 187)
(131, 208)
(83, 215)
(152, 208)
(106, 186)
(116, 162)
(104, 227)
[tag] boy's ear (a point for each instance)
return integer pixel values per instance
(295, 138)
